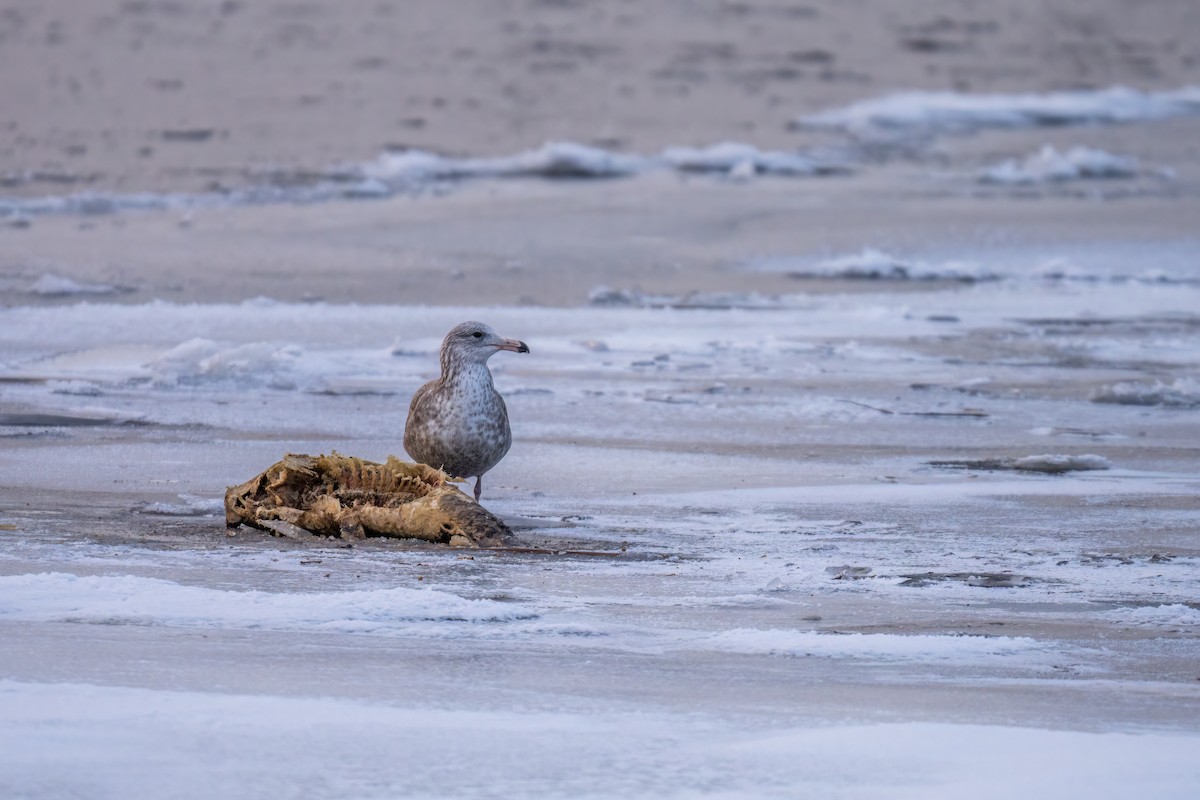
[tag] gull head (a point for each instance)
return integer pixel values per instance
(475, 342)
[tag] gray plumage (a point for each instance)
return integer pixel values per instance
(459, 422)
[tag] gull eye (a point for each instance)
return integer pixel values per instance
(478, 334)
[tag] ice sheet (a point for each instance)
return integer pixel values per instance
(805, 511)
(326, 747)
(130, 600)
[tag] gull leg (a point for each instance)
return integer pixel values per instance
(478, 487)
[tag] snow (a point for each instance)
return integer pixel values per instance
(873, 264)
(124, 741)
(1182, 392)
(51, 285)
(635, 298)
(186, 506)
(1171, 615)
(880, 646)
(416, 171)
(551, 160)
(75, 387)
(788, 598)
(1048, 165)
(571, 160)
(201, 359)
(743, 160)
(127, 599)
(995, 264)
(1058, 462)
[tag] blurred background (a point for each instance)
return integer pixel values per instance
(186, 95)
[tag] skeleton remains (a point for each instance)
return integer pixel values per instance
(338, 495)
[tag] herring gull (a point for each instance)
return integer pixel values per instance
(459, 422)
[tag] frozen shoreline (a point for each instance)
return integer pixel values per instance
(876, 483)
(799, 567)
(827, 541)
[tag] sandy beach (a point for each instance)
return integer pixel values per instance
(858, 436)
(177, 96)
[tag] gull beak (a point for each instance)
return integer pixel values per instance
(513, 345)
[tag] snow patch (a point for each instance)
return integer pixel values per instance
(1174, 614)
(199, 360)
(1061, 463)
(606, 296)
(551, 160)
(188, 506)
(571, 160)
(420, 170)
(51, 285)
(132, 600)
(1048, 165)
(1179, 393)
(954, 112)
(743, 160)
(872, 264)
(876, 646)
(78, 388)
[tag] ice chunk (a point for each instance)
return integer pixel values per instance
(607, 296)
(1179, 393)
(565, 160)
(410, 165)
(51, 285)
(79, 388)
(636, 298)
(1047, 462)
(105, 599)
(1173, 614)
(188, 506)
(1048, 165)
(878, 646)
(572, 160)
(1061, 463)
(551, 160)
(743, 160)
(872, 264)
(420, 170)
(958, 112)
(200, 359)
